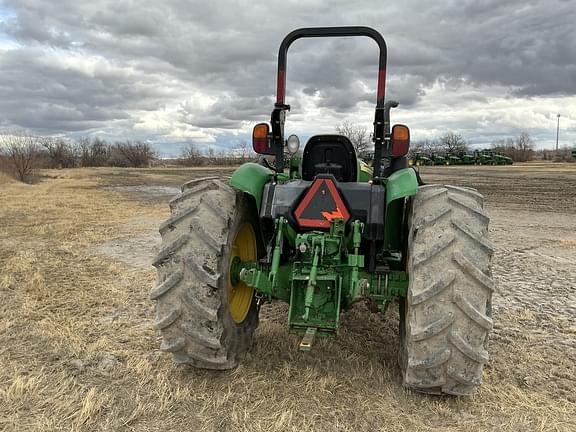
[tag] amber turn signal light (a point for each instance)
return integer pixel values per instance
(260, 141)
(399, 141)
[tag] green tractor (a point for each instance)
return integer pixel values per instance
(500, 159)
(489, 157)
(453, 160)
(419, 159)
(484, 157)
(438, 159)
(467, 159)
(316, 233)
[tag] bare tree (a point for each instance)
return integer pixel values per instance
(84, 152)
(565, 153)
(357, 134)
(505, 147)
(211, 156)
(94, 153)
(61, 153)
(135, 154)
(242, 150)
(22, 153)
(191, 155)
(452, 143)
(425, 146)
(525, 146)
(520, 148)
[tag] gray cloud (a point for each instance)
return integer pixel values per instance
(61, 94)
(226, 113)
(211, 65)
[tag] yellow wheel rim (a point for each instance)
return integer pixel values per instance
(239, 294)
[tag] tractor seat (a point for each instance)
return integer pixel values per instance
(330, 154)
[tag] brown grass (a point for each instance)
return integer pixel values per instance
(77, 351)
(5, 179)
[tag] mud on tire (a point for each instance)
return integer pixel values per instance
(193, 265)
(445, 318)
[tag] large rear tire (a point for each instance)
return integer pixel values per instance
(445, 319)
(206, 319)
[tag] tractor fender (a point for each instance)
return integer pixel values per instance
(251, 178)
(401, 184)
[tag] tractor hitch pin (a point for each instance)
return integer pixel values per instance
(308, 339)
(258, 296)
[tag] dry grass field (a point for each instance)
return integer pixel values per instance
(77, 350)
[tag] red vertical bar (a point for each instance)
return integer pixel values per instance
(381, 85)
(281, 87)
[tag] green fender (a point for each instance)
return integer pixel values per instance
(251, 178)
(401, 184)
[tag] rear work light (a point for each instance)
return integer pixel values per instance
(321, 205)
(399, 140)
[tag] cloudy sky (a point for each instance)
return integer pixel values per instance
(175, 71)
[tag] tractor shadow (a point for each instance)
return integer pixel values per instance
(364, 350)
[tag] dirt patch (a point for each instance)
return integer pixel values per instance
(137, 240)
(145, 192)
(532, 187)
(135, 251)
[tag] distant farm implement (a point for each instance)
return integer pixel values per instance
(478, 157)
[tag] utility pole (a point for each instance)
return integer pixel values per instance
(557, 130)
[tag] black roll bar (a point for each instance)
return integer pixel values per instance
(381, 118)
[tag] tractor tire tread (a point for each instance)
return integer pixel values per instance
(169, 250)
(191, 294)
(168, 319)
(434, 288)
(203, 181)
(189, 192)
(445, 320)
(167, 285)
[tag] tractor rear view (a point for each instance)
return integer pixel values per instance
(321, 232)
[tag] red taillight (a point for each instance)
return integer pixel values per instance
(321, 205)
(260, 139)
(399, 141)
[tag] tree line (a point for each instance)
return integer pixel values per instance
(520, 148)
(22, 154)
(450, 143)
(192, 155)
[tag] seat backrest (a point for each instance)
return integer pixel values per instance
(330, 154)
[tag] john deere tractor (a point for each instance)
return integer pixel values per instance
(419, 159)
(452, 159)
(320, 234)
(467, 159)
(502, 160)
(438, 159)
(484, 157)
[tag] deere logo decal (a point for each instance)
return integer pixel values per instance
(321, 204)
(336, 214)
